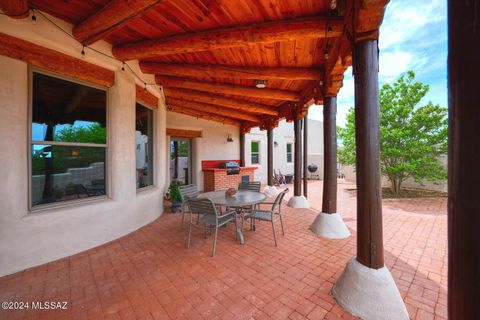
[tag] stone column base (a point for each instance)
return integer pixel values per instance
(330, 225)
(370, 294)
(270, 191)
(298, 202)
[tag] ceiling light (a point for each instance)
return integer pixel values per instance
(261, 84)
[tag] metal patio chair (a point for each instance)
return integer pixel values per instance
(189, 191)
(250, 186)
(211, 218)
(269, 215)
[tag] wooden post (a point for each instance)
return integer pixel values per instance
(297, 178)
(367, 128)
(242, 149)
(329, 201)
(175, 158)
(305, 156)
(270, 157)
(463, 160)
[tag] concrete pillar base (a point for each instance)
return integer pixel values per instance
(270, 191)
(299, 202)
(370, 294)
(330, 225)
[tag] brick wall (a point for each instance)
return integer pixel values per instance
(218, 179)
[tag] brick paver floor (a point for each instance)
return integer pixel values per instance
(149, 274)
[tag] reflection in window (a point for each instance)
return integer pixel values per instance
(289, 152)
(144, 146)
(69, 135)
(255, 152)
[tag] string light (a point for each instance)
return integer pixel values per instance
(34, 17)
(145, 89)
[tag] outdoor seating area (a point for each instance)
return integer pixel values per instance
(150, 274)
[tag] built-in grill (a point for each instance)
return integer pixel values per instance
(231, 166)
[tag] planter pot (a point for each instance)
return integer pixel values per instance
(176, 206)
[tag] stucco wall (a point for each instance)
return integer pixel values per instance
(32, 238)
(212, 145)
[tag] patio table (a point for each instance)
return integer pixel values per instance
(241, 199)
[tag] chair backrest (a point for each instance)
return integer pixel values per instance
(188, 191)
(250, 186)
(278, 200)
(202, 206)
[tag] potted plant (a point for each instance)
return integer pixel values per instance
(175, 196)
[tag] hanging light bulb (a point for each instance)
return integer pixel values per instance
(34, 17)
(145, 88)
(330, 29)
(123, 66)
(83, 51)
(325, 54)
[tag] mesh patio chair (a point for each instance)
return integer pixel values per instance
(188, 191)
(250, 186)
(210, 218)
(269, 215)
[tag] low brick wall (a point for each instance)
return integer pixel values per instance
(218, 179)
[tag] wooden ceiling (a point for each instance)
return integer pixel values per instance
(208, 54)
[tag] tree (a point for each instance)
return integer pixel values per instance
(412, 137)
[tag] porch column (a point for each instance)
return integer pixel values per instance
(463, 160)
(175, 159)
(305, 156)
(242, 149)
(366, 288)
(298, 201)
(270, 189)
(329, 223)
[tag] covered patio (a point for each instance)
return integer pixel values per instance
(101, 241)
(149, 274)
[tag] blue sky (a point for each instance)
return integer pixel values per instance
(413, 36)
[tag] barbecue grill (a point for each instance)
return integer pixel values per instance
(231, 166)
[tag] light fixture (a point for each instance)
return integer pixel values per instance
(325, 55)
(229, 138)
(261, 84)
(34, 17)
(330, 29)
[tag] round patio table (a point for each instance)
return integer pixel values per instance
(241, 199)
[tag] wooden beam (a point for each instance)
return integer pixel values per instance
(146, 98)
(196, 96)
(204, 115)
(329, 201)
(463, 159)
(55, 61)
(367, 129)
(182, 133)
(269, 32)
(221, 111)
(111, 17)
(225, 88)
(17, 9)
(236, 72)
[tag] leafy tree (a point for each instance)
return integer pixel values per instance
(93, 133)
(412, 137)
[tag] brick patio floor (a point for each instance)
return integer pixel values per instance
(149, 274)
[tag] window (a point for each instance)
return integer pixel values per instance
(144, 146)
(289, 152)
(68, 141)
(255, 152)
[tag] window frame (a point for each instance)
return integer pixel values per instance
(291, 151)
(153, 153)
(30, 142)
(258, 152)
